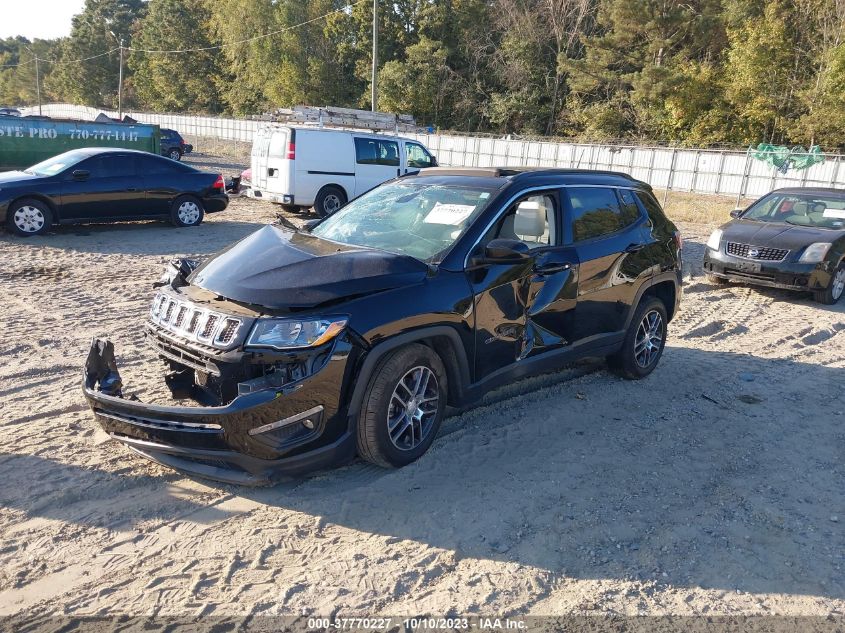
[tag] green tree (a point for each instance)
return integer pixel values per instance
(95, 31)
(166, 82)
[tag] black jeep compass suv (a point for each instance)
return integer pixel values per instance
(302, 348)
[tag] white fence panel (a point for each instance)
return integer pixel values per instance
(700, 171)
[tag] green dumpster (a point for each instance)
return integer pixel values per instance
(29, 140)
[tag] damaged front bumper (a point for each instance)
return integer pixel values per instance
(262, 432)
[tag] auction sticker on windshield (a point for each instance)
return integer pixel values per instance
(452, 214)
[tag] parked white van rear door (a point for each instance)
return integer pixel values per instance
(376, 160)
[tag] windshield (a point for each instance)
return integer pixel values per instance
(825, 211)
(420, 220)
(53, 166)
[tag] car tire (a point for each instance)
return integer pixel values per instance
(329, 200)
(29, 217)
(187, 211)
(390, 431)
(175, 154)
(644, 341)
(719, 281)
(835, 290)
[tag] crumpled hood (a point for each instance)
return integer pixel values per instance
(776, 234)
(282, 270)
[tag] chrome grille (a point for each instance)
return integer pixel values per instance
(227, 333)
(760, 253)
(188, 321)
(208, 327)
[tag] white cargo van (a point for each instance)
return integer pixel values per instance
(301, 167)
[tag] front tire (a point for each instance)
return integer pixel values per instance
(403, 407)
(29, 217)
(186, 211)
(833, 293)
(644, 341)
(329, 200)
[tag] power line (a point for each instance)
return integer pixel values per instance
(58, 62)
(249, 39)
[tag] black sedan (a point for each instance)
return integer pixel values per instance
(105, 185)
(790, 238)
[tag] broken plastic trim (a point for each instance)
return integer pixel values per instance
(176, 273)
(101, 368)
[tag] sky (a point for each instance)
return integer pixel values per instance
(43, 19)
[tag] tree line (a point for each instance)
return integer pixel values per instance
(698, 72)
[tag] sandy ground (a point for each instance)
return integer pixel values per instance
(715, 486)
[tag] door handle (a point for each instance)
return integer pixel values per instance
(633, 248)
(547, 269)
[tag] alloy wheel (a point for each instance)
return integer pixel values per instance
(413, 408)
(838, 286)
(649, 338)
(175, 155)
(29, 219)
(189, 212)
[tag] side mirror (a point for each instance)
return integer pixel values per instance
(434, 161)
(737, 212)
(81, 174)
(505, 251)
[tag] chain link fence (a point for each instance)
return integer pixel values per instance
(708, 171)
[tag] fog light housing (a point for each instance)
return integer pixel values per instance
(287, 199)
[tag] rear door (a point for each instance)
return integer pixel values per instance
(524, 309)
(259, 156)
(376, 160)
(113, 189)
(609, 233)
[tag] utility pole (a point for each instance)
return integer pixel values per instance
(38, 84)
(374, 96)
(120, 84)
(119, 41)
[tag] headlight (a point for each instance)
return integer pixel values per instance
(714, 240)
(815, 253)
(293, 333)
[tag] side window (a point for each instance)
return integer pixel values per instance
(110, 166)
(372, 151)
(531, 219)
(417, 156)
(630, 210)
(151, 166)
(595, 212)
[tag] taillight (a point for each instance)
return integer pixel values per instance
(679, 241)
(220, 183)
(291, 151)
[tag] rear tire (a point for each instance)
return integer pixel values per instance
(175, 154)
(329, 200)
(186, 211)
(402, 407)
(833, 293)
(29, 217)
(644, 341)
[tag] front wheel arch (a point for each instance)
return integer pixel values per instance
(444, 341)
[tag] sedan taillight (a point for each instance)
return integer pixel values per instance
(220, 184)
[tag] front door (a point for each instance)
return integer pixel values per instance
(609, 233)
(416, 157)
(112, 189)
(376, 160)
(524, 310)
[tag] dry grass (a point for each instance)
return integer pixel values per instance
(682, 206)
